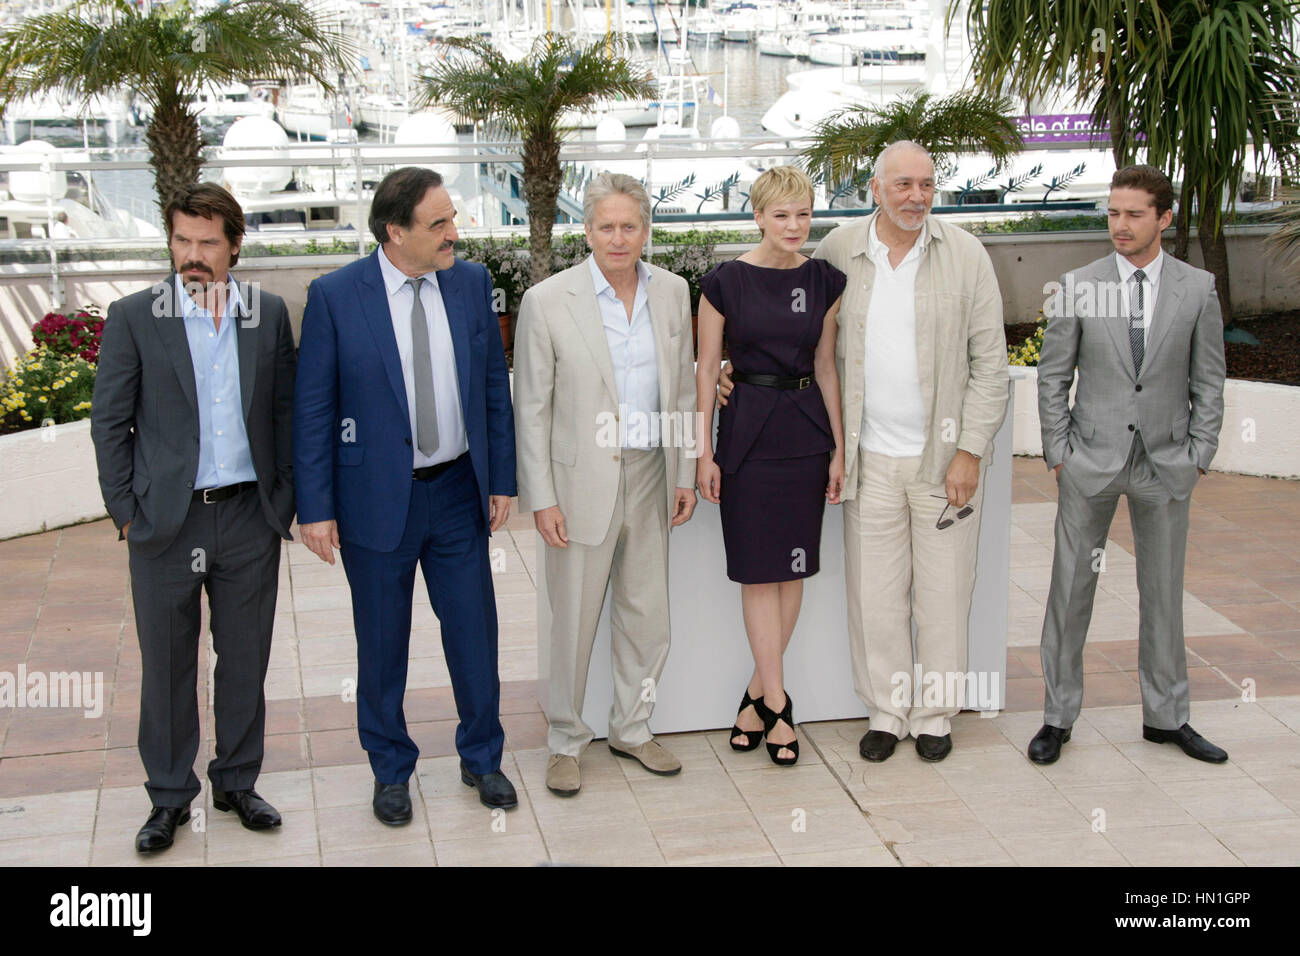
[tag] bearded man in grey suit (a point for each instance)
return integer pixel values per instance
(1146, 334)
(604, 358)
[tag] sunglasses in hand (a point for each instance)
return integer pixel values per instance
(946, 522)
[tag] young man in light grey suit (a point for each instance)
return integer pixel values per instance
(1145, 332)
(604, 388)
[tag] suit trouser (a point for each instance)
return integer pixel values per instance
(898, 565)
(633, 561)
(228, 549)
(446, 536)
(1160, 538)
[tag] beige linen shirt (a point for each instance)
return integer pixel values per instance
(961, 344)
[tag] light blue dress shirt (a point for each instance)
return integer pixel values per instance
(224, 455)
(632, 352)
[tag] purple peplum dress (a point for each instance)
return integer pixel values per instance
(773, 445)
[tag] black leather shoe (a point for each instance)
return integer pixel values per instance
(930, 747)
(494, 789)
(877, 745)
(254, 812)
(160, 829)
(1193, 744)
(1046, 745)
(392, 803)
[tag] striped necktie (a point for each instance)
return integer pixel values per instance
(1137, 322)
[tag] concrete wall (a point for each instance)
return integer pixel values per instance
(1260, 434)
(1024, 264)
(48, 479)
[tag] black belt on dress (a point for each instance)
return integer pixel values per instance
(433, 471)
(773, 381)
(210, 496)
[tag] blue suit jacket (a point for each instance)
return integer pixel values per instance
(352, 434)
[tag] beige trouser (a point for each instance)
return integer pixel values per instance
(633, 559)
(899, 565)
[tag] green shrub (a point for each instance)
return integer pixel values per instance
(45, 386)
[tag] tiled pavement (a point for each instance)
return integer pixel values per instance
(70, 786)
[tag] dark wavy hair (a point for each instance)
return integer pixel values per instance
(209, 201)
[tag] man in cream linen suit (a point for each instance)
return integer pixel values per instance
(604, 389)
(922, 359)
(1145, 332)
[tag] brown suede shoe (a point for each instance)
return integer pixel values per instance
(649, 755)
(562, 775)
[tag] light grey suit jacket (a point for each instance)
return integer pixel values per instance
(1177, 401)
(566, 400)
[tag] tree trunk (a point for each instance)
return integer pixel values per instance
(1214, 250)
(175, 147)
(542, 176)
(1183, 222)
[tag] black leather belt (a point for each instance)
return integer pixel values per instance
(210, 496)
(433, 471)
(773, 381)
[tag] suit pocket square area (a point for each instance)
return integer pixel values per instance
(564, 452)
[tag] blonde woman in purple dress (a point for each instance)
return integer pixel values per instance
(780, 446)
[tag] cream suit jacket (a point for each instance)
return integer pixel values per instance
(566, 398)
(961, 345)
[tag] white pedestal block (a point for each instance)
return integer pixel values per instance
(710, 662)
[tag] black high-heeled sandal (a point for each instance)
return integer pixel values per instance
(770, 719)
(752, 737)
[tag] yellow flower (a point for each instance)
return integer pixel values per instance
(44, 399)
(18, 382)
(72, 374)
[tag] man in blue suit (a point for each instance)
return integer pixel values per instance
(404, 453)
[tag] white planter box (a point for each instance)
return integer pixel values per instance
(1260, 435)
(48, 479)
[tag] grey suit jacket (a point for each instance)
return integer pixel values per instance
(144, 417)
(566, 401)
(1177, 401)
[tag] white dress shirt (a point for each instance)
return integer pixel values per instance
(893, 415)
(632, 351)
(1150, 289)
(446, 386)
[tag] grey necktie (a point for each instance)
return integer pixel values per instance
(426, 408)
(1136, 322)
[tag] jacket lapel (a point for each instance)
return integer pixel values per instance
(453, 303)
(1168, 302)
(374, 306)
(171, 332)
(661, 307)
(1115, 323)
(586, 316)
(247, 330)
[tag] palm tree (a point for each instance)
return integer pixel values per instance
(1193, 82)
(847, 143)
(166, 56)
(528, 98)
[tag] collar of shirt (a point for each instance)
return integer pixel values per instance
(191, 309)
(1151, 270)
(876, 249)
(602, 284)
(394, 278)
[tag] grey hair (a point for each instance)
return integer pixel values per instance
(897, 147)
(607, 184)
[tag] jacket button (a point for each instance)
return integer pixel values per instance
(408, 441)
(1131, 428)
(1137, 388)
(189, 484)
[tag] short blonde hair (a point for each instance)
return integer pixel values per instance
(780, 184)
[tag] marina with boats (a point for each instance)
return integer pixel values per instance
(739, 86)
